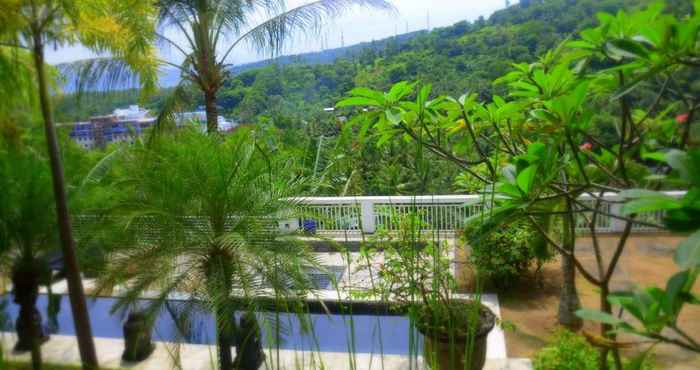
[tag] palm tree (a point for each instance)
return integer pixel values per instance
(27, 232)
(198, 214)
(122, 28)
(208, 25)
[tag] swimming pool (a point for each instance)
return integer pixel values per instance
(328, 333)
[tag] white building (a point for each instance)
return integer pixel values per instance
(200, 117)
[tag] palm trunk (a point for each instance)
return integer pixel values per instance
(225, 340)
(212, 112)
(569, 301)
(25, 284)
(83, 332)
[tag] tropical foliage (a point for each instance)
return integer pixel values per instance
(538, 147)
(212, 25)
(204, 210)
(506, 255)
(290, 98)
(26, 30)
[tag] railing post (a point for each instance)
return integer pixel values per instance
(616, 225)
(367, 216)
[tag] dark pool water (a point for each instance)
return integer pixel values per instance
(328, 333)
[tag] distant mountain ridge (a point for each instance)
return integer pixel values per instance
(171, 76)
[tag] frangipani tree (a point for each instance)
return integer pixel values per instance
(213, 29)
(541, 151)
(123, 29)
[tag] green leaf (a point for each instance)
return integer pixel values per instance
(394, 116)
(638, 362)
(357, 101)
(544, 115)
(628, 301)
(400, 90)
(651, 204)
(526, 178)
(676, 286)
(509, 190)
(627, 49)
(688, 252)
(424, 94)
(599, 316)
(654, 156)
(367, 93)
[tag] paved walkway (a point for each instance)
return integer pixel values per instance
(63, 350)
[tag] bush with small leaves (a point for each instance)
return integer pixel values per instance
(505, 254)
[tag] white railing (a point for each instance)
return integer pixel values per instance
(444, 213)
(436, 213)
(368, 214)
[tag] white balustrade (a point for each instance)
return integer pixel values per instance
(441, 213)
(445, 213)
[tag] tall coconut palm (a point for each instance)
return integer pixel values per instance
(122, 28)
(212, 29)
(198, 213)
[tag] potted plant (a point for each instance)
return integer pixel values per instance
(416, 274)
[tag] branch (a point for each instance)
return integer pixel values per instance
(618, 252)
(656, 101)
(564, 252)
(481, 152)
(594, 237)
(579, 164)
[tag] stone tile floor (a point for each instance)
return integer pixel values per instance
(63, 350)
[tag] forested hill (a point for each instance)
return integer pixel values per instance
(464, 57)
(455, 59)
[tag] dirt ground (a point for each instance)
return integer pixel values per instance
(531, 307)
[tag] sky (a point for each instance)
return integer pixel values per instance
(357, 25)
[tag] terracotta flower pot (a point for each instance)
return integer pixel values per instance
(450, 349)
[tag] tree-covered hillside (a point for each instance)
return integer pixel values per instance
(465, 56)
(287, 101)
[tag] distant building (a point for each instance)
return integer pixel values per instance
(200, 117)
(129, 123)
(121, 125)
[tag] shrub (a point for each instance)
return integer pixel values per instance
(504, 254)
(571, 351)
(568, 351)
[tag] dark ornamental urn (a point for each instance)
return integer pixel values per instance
(137, 338)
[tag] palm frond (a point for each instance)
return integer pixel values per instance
(98, 75)
(166, 121)
(271, 35)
